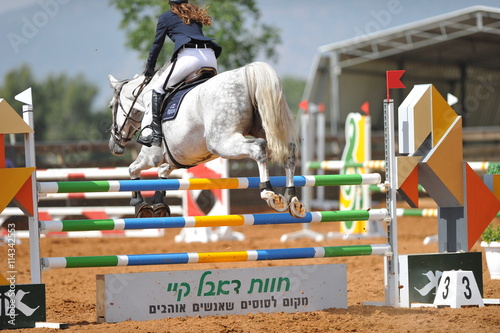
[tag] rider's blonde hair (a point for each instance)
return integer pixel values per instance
(190, 13)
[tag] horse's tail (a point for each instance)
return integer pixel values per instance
(268, 97)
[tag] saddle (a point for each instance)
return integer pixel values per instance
(201, 75)
(192, 80)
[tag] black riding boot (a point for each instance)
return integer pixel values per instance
(154, 139)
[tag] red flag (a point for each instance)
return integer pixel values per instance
(321, 107)
(304, 105)
(366, 108)
(393, 80)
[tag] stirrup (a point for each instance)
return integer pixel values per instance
(145, 140)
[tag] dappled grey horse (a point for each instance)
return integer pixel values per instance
(236, 114)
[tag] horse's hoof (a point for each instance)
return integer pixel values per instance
(143, 210)
(297, 209)
(161, 210)
(278, 203)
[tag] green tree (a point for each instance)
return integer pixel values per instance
(236, 26)
(63, 105)
(16, 81)
(294, 89)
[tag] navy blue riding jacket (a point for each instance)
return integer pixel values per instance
(169, 24)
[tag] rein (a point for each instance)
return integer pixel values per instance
(136, 93)
(141, 87)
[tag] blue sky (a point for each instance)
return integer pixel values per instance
(82, 36)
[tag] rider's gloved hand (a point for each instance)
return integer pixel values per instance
(150, 71)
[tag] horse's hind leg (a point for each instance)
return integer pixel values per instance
(274, 201)
(238, 146)
(277, 201)
(295, 207)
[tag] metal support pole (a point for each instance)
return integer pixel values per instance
(320, 149)
(34, 230)
(391, 179)
(335, 71)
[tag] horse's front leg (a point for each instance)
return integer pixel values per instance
(142, 208)
(160, 206)
(296, 208)
(146, 159)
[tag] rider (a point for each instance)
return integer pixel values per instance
(192, 50)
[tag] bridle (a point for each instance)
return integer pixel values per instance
(131, 115)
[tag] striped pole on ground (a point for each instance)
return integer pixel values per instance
(424, 212)
(338, 165)
(210, 221)
(102, 195)
(59, 174)
(373, 164)
(380, 188)
(213, 257)
(202, 183)
(65, 211)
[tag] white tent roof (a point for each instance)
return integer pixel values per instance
(458, 52)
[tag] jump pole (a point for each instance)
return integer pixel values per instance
(375, 165)
(215, 257)
(101, 195)
(117, 211)
(209, 221)
(202, 183)
(96, 173)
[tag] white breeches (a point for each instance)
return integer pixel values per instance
(188, 61)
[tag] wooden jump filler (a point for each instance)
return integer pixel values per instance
(430, 138)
